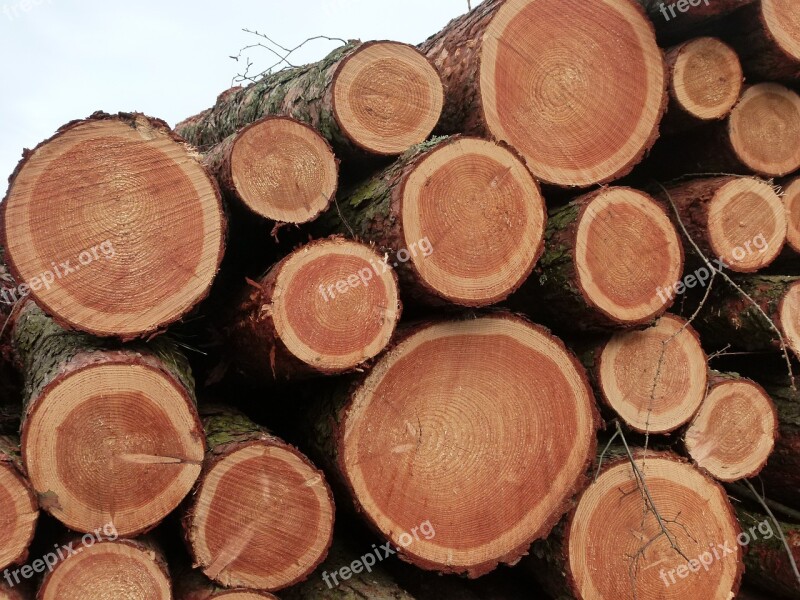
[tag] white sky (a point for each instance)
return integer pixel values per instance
(63, 59)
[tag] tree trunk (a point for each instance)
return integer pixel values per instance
(109, 435)
(496, 403)
(327, 308)
(608, 254)
(705, 82)
(781, 476)
(131, 568)
(378, 98)
(734, 432)
(461, 218)
(739, 220)
(113, 226)
(671, 22)
(580, 113)
(18, 506)
(767, 565)
(262, 514)
(194, 586)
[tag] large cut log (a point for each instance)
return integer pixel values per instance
(193, 585)
(262, 514)
(791, 199)
(461, 218)
(705, 81)
(277, 167)
(99, 570)
(18, 506)
(740, 221)
(465, 441)
(734, 432)
(655, 378)
(378, 97)
(577, 87)
(767, 565)
(113, 226)
(109, 435)
(609, 255)
(781, 476)
(614, 545)
(326, 308)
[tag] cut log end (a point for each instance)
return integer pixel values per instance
(237, 535)
(746, 224)
(764, 129)
(109, 570)
(387, 97)
(791, 200)
(627, 251)
(707, 78)
(654, 392)
(487, 252)
(20, 512)
(616, 550)
(734, 431)
(548, 94)
(336, 304)
(782, 21)
(112, 443)
(283, 170)
(511, 440)
(789, 317)
(114, 225)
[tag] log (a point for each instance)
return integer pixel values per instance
(705, 82)
(278, 168)
(582, 106)
(739, 220)
(113, 226)
(378, 98)
(734, 432)
(791, 199)
(679, 20)
(495, 403)
(262, 515)
(655, 378)
(766, 562)
(608, 254)
(109, 434)
(124, 568)
(461, 218)
(781, 476)
(18, 506)
(326, 308)
(194, 586)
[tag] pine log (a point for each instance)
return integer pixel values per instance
(109, 434)
(781, 476)
(739, 220)
(791, 199)
(326, 308)
(705, 82)
(465, 442)
(194, 586)
(19, 510)
(734, 432)
(378, 97)
(278, 168)
(607, 255)
(674, 19)
(767, 565)
(109, 569)
(655, 378)
(462, 219)
(612, 545)
(262, 514)
(577, 88)
(113, 226)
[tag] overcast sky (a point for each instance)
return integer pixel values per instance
(63, 59)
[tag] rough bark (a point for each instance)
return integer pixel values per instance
(767, 565)
(781, 476)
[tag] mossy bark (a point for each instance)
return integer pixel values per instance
(767, 565)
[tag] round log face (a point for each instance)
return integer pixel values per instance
(655, 379)
(545, 74)
(626, 251)
(283, 170)
(764, 129)
(115, 227)
(336, 304)
(108, 571)
(615, 550)
(466, 440)
(19, 515)
(482, 216)
(387, 97)
(734, 431)
(791, 199)
(112, 443)
(783, 24)
(707, 78)
(262, 518)
(789, 317)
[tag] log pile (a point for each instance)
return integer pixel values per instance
(534, 330)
